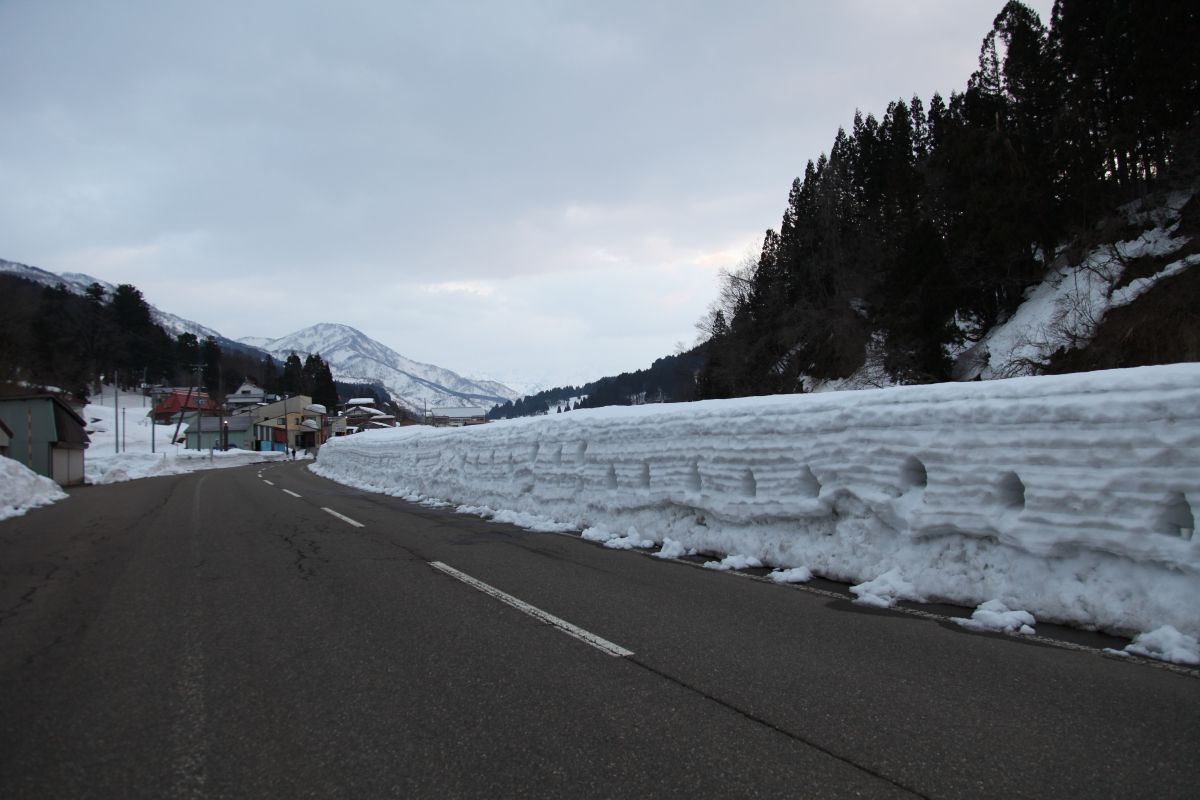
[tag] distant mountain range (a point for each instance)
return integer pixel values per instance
(353, 357)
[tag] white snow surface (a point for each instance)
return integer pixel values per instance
(22, 489)
(1071, 497)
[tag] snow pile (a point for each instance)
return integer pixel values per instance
(1070, 496)
(734, 561)
(22, 489)
(996, 616)
(885, 590)
(1167, 644)
(791, 575)
(117, 468)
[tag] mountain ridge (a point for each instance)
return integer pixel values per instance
(354, 356)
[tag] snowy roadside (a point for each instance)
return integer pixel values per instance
(22, 489)
(1067, 499)
(145, 448)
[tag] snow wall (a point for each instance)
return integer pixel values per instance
(1072, 497)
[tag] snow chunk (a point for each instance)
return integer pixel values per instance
(672, 548)
(994, 615)
(734, 562)
(1167, 644)
(884, 591)
(793, 575)
(629, 541)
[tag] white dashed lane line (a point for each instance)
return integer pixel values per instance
(267, 482)
(289, 491)
(342, 517)
(595, 641)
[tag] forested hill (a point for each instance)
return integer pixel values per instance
(669, 379)
(51, 336)
(923, 227)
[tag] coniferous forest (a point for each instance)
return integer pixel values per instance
(927, 222)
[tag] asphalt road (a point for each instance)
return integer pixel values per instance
(219, 635)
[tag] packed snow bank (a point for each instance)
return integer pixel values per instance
(1069, 497)
(117, 468)
(22, 489)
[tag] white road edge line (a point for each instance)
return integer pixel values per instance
(571, 630)
(289, 491)
(267, 482)
(342, 517)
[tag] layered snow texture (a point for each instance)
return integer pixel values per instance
(22, 489)
(1070, 497)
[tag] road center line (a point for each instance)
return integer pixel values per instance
(571, 630)
(267, 482)
(342, 517)
(289, 491)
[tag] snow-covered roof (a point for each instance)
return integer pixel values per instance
(361, 401)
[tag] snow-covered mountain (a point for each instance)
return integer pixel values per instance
(77, 283)
(357, 358)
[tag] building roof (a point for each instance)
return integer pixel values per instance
(69, 427)
(179, 400)
(361, 401)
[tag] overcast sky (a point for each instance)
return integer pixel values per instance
(535, 192)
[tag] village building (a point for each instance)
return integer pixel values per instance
(220, 433)
(173, 402)
(46, 435)
(360, 414)
(294, 423)
(5, 438)
(456, 417)
(245, 398)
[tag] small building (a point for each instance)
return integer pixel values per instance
(361, 414)
(220, 433)
(247, 396)
(5, 438)
(182, 401)
(46, 435)
(456, 417)
(291, 423)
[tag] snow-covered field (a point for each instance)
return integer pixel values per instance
(123, 424)
(1066, 499)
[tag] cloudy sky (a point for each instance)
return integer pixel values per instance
(536, 192)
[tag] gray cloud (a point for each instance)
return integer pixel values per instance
(574, 172)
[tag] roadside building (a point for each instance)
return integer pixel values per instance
(220, 433)
(361, 415)
(457, 417)
(291, 423)
(46, 435)
(245, 398)
(174, 402)
(5, 438)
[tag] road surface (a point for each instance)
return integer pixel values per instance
(262, 632)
